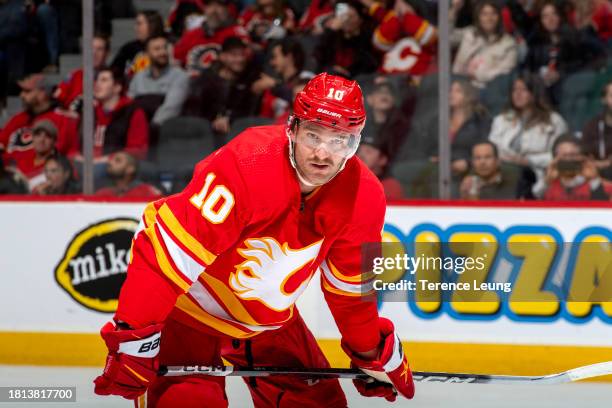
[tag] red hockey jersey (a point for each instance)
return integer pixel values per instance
(408, 40)
(197, 49)
(16, 136)
(239, 245)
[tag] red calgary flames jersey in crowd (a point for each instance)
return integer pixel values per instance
(199, 48)
(16, 136)
(240, 244)
(408, 40)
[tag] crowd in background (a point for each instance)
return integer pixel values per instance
(530, 97)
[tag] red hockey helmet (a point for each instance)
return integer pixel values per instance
(332, 101)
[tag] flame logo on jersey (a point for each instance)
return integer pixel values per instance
(267, 267)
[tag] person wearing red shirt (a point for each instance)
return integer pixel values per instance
(199, 47)
(409, 41)
(32, 162)
(69, 93)
(216, 270)
(315, 14)
(572, 176)
(267, 20)
(119, 123)
(122, 170)
(16, 136)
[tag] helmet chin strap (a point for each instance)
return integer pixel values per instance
(298, 173)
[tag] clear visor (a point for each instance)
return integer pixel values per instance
(336, 141)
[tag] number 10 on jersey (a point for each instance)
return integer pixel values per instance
(214, 205)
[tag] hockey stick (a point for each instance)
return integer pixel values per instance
(575, 374)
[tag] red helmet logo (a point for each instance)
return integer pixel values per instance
(332, 100)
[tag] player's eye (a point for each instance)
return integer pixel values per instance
(312, 136)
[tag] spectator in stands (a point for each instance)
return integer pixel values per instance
(298, 86)
(131, 58)
(525, 132)
(185, 15)
(11, 182)
(386, 123)
(486, 51)
(122, 170)
(16, 136)
(556, 49)
(59, 178)
(32, 163)
(69, 94)
(594, 15)
(160, 89)
(345, 47)
(119, 123)
(317, 12)
(408, 40)
(199, 47)
(597, 135)
(469, 124)
(267, 20)
(229, 79)
(287, 61)
(572, 176)
(373, 152)
(490, 180)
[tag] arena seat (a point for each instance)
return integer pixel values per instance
(241, 124)
(183, 142)
(577, 93)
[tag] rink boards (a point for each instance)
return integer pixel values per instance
(63, 264)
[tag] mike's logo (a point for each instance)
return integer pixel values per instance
(93, 268)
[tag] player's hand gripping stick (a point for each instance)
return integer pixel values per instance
(390, 372)
(131, 363)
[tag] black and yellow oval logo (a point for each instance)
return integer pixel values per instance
(94, 265)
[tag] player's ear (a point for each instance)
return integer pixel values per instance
(292, 125)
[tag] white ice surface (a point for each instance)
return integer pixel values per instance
(576, 395)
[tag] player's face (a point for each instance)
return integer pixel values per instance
(319, 152)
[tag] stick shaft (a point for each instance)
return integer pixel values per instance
(579, 373)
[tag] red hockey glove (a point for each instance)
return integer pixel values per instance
(390, 372)
(131, 363)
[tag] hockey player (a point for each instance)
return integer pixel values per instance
(216, 269)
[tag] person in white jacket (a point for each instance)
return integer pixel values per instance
(527, 130)
(485, 51)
